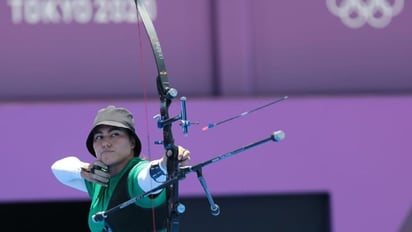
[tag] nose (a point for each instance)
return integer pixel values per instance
(106, 144)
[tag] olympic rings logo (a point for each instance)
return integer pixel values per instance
(355, 13)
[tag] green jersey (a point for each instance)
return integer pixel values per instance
(139, 216)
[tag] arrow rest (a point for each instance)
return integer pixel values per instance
(182, 118)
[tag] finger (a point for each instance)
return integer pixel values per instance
(102, 174)
(184, 162)
(101, 179)
(98, 177)
(99, 166)
(181, 150)
(99, 163)
(183, 153)
(183, 157)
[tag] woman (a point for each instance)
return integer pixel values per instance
(118, 174)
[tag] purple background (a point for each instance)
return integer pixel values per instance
(226, 57)
(231, 47)
(357, 149)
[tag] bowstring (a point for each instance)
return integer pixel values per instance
(145, 100)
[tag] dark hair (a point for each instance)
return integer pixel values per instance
(130, 134)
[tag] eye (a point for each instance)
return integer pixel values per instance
(97, 137)
(116, 133)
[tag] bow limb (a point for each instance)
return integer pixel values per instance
(162, 79)
(166, 94)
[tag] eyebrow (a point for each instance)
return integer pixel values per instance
(111, 128)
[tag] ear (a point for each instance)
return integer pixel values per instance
(132, 143)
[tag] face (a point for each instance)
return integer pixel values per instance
(113, 145)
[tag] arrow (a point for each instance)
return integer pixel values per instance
(212, 125)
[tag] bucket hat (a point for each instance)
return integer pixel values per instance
(117, 117)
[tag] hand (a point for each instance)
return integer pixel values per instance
(97, 172)
(183, 156)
